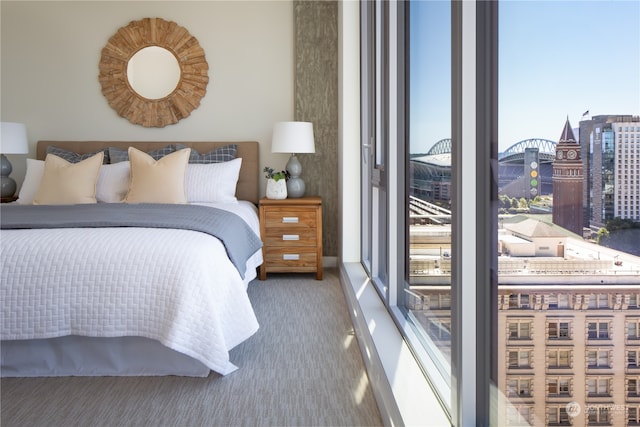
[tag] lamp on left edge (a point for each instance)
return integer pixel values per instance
(13, 140)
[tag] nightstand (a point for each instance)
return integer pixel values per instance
(291, 231)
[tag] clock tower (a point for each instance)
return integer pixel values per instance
(567, 183)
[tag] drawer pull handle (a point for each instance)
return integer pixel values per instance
(291, 257)
(289, 219)
(290, 237)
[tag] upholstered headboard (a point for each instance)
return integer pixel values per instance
(247, 189)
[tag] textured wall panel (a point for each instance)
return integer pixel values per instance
(316, 101)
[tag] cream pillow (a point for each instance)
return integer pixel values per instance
(157, 181)
(65, 183)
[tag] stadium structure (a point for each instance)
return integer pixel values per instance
(525, 169)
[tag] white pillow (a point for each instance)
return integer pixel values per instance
(213, 182)
(35, 171)
(113, 182)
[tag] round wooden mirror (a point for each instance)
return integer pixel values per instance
(153, 87)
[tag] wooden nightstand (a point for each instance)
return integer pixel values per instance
(291, 231)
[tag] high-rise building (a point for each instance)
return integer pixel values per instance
(601, 142)
(626, 194)
(568, 183)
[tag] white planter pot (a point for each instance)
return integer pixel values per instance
(276, 189)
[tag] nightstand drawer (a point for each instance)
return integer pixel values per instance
(277, 258)
(290, 218)
(290, 237)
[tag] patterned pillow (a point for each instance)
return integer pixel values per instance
(219, 155)
(117, 155)
(72, 157)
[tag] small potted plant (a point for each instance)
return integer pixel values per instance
(276, 183)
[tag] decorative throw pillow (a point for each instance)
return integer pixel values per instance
(65, 183)
(219, 155)
(113, 183)
(214, 182)
(157, 181)
(117, 155)
(31, 183)
(73, 157)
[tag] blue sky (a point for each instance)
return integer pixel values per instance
(557, 59)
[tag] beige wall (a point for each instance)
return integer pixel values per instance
(49, 70)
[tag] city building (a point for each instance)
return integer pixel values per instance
(626, 173)
(568, 323)
(609, 143)
(568, 332)
(568, 183)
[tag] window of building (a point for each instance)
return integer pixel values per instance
(598, 387)
(557, 387)
(633, 358)
(598, 358)
(519, 415)
(519, 359)
(598, 330)
(598, 301)
(559, 359)
(519, 387)
(557, 416)
(599, 416)
(633, 329)
(519, 301)
(558, 330)
(519, 329)
(563, 301)
(633, 415)
(633, 387)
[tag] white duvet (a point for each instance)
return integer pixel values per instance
(174, 286)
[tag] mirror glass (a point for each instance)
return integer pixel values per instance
(153, 72)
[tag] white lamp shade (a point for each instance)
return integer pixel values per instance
(293, 137)
(13, 138)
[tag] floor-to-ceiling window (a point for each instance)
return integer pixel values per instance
(426, 285)
(375, 139)
(512, 251)
(419, 210)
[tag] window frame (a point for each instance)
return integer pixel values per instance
(474, 127)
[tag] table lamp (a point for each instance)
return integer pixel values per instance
(13, 140)
(293, 137)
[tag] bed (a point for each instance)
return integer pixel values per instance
(146, 287)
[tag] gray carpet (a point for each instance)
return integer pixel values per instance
(302, 368)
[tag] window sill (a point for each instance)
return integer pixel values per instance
(402, 392)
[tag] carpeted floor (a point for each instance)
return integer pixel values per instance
(302, 368)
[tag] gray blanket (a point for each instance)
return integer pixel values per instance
(239, 239)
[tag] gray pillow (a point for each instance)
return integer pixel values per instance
(117, 155)
(219, 155)
(73, 157)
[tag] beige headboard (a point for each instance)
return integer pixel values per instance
(247, 189)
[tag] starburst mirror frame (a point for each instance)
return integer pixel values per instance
(186, 96)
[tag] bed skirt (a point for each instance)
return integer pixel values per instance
(89, 356)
